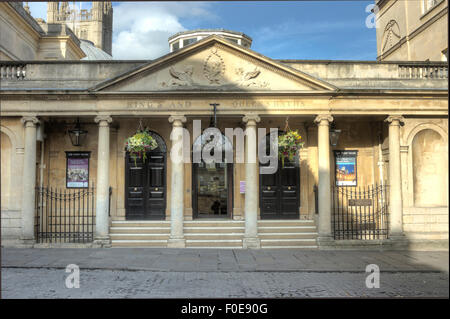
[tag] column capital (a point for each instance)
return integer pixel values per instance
(323, 117)
(30, 120)
(395, 120)
(251, 119)
(101, 119)
(177, 120)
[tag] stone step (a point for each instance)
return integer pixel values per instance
(286, 229)
(198, 223)
(139, 243)
(213, 237)
(290, 247)
(305, 235)
(223, 243)
(214, 230)
(265, 243)
(139, 236)
(130, 223)
(139, 230)
(277, 223)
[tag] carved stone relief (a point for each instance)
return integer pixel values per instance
(214, 67)
(391, 35)
(213, 72)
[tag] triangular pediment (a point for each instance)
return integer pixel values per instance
(213, 64)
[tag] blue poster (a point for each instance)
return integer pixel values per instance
(346, 168)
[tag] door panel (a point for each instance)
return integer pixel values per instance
(146, 187)
(279, 193)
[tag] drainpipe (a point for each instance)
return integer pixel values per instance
(381, 172)
(380, 159)
(40, 136)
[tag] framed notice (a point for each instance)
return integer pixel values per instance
(346, 168)
(77, 169)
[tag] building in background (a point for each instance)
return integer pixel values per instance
(94, 25)
(24, 38)
(412, 30)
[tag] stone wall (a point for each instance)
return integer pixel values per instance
(11, 177)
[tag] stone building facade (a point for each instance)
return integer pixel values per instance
(395, 120)
(412, 30)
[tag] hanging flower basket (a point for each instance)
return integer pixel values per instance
(288, 145)
(139, 144)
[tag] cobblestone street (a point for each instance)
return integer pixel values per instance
(221, 273)
(50, 283)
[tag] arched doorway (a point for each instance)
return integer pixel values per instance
(279, 195)
(145, 184)
(212, 183)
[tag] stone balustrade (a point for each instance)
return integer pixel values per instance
(13, 71)
(423, 71)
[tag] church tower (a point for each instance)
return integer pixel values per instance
(52, 12)
(94, 25)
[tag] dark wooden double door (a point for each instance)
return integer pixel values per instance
(279, 193)
(145, 187)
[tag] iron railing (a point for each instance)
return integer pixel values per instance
(65, 215)
(360, 212)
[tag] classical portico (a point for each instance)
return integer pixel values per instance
(159, 202)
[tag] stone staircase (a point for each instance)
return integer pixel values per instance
(139, 233)
(215, 233)
(287, 234)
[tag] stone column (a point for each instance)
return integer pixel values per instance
(395, 178)
(323, 122)
(176, 239)
(101, 213)
(29, 180)
(251, 239)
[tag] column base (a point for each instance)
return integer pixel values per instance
(176, 243)
(398, 241)
(325, 242)
(27, 242)
(101, 242)
(251, 243)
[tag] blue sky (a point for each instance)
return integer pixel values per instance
(334, 30)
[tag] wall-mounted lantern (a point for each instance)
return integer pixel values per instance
(76, 134)
(334, 135)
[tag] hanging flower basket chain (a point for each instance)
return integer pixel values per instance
(140, 143)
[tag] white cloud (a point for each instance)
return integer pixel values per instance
(141, 29)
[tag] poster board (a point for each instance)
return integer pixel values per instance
(77, 169)
(346, 168)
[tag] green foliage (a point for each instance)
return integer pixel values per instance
(288, 145)
(139, 144)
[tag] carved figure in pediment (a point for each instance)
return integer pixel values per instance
(182, 78)
(248, 78)
(214, 67)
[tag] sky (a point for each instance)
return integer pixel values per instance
(310, 30)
